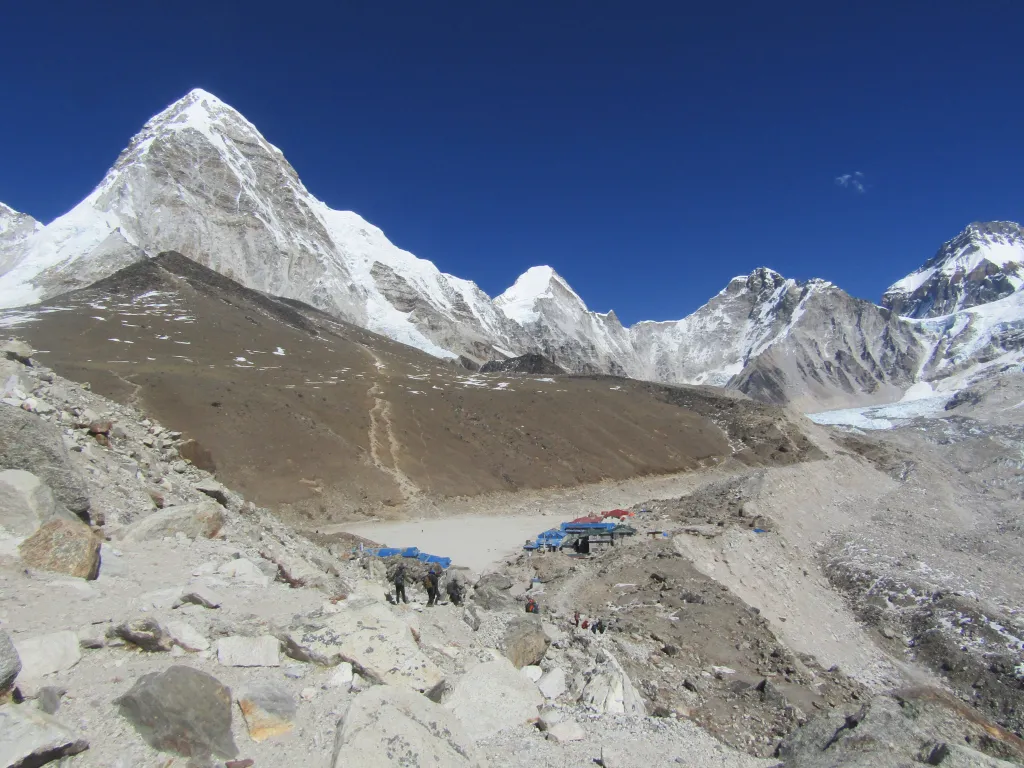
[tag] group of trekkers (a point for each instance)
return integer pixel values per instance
(431, 583)
(594, 625)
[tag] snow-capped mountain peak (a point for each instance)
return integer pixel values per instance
(984, 263)
(15, 229)
(520, 301)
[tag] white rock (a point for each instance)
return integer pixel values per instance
(26, 502)
(244, 571)
(549, 717)
(532, 672)
(46, 654)
(92, 636)
(493, 697)
(373, 639)
(31, 737)
(185, 635)
(613, 757)
(342, 677)
(610, 691)
(307, 694)
(566, 731)
(552, 684)
(262, 651)
(393, 725)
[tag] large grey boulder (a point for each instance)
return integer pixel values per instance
(201, 520)
(390, 725)
(26, 503)
(492, 599)
(183, 711)
(29, 443)
(63, 546)
(46, 654)
(525, 641)
(10, 663)
(491, 698)
(498, 581)
(30, 738)
(365, 633)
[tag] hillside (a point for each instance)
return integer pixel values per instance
(310, 415)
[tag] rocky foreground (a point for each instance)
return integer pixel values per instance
(149, 616)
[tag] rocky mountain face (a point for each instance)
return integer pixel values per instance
(15, 229)
(201, 180)
(982, 264)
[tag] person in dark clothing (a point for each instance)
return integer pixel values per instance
(600, 626)
(454, 590)
(531, 606)
(400, 584)
(433, 588)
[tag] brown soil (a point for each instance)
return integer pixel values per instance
(347, 423)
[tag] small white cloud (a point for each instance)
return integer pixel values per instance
(854, 181)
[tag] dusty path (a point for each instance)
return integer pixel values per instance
(382, 435)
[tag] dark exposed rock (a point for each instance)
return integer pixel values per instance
(146, 634)
(531, 363)
(183, 711)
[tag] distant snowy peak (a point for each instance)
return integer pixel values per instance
(522, 301)
(982, 264)
(15, 229)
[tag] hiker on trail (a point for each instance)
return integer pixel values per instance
(597, 626)
(576, 619)
(400, 584)
(531, 606)
(454, 590)
(585, 624)
(433, 590)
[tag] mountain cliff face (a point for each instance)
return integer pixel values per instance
(15, 229)
(780, 340)
(982, 264)
(558, 324)
(201, 180)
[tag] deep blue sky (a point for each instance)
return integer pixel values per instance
(649, 151)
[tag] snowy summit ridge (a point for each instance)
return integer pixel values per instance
(983, 263)
(201, 180)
